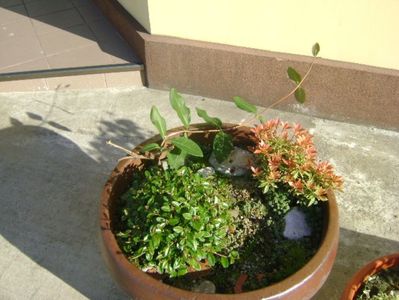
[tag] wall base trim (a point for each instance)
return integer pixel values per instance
(335, 90)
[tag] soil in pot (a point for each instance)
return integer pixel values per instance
(383, 285)
(253, 230)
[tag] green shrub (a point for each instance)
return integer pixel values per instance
(174, 219)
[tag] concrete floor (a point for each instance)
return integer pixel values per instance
(54, 162)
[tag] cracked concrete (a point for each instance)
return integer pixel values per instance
(54, 161)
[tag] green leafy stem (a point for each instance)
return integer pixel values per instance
(177, 145)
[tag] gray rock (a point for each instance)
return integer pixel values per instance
(296, 226)
(206, 172)
(204, 286)
(237, 164)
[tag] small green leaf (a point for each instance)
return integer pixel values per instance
(187, 216)
(224, 261)
(262, 119)
(150, 147)
(244, 105)
(158, 121)
(178, 229)
(182, 271)
(176, 158)
(166, 208)
(195, 264)
(294, 75)
(222, 146)
(178, 104)
(300, 95)
(210, 120)
(187, 145)
(315, 49)
(173, 221)
(211, 259)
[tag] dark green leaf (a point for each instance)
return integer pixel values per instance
(176, 158)
(222, 146)
(197, 225)
(178, 104)
(158, 121)
(173, 221)
(150, 147)
(244, 105)
(188, 146)
(300, 95)
(294, 75)
(224, 261)
(315, 49)
(210, 120)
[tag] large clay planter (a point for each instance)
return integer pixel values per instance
(301, 285)
(377, 265)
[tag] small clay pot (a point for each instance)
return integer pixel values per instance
(377, 265)
(301, 285)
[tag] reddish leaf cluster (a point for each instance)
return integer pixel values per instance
(286, 155)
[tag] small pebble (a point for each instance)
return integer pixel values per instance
(204, 286)
(206, 172)
(296, 226)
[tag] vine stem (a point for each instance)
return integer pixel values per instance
(131, 153)
(243, 123)
(282, 98)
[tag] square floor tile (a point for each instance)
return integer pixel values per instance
(120, 53)
(104, 31)
(63, 40)
(19, 50)
(86, 56)
(38, 64)
(16, 29)
(23, 86)
(43, 7)
(61, 20)
(12, 14)
(90, 12)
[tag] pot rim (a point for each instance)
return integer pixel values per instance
(381, 263)
(274, 291)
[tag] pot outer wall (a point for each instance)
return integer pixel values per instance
(375, 266)
(301, 285)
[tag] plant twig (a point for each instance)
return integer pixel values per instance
(282, 98)
(131, 153)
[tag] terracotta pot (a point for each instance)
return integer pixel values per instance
(301, 285)
(377, 265)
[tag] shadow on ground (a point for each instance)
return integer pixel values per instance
(49, 196)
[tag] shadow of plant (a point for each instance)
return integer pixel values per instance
(49, 201)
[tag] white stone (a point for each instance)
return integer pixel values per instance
(204, 286)
(206, 172)
(296, 226)
(237, 164)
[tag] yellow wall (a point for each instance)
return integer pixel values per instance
(359, 31)
(139, 10)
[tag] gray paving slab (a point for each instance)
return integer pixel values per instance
(54, 162)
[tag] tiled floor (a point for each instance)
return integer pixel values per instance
(52, 34)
